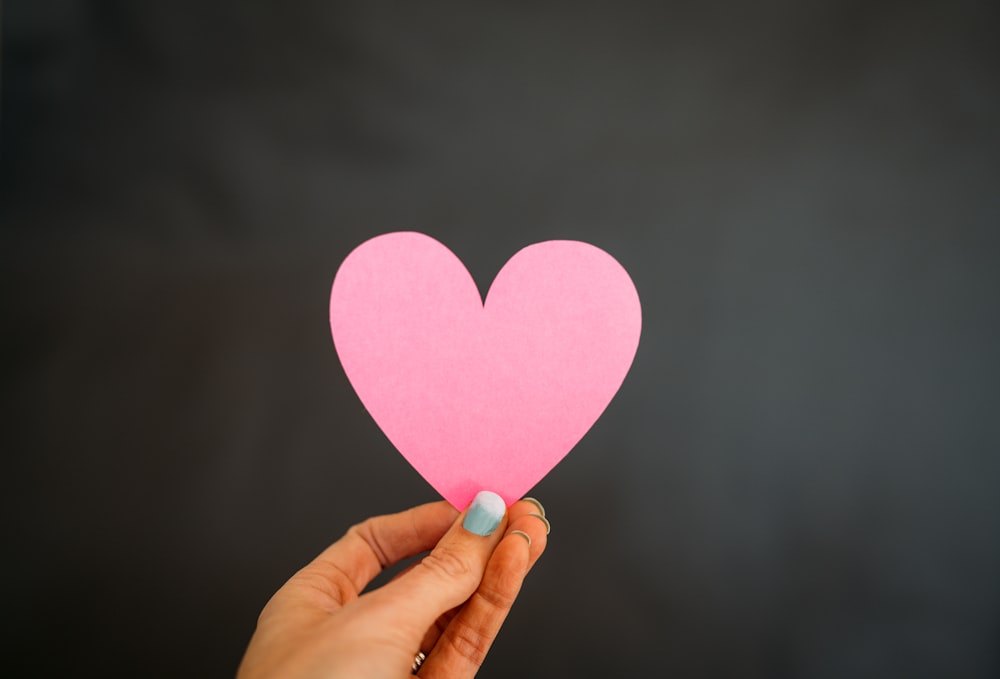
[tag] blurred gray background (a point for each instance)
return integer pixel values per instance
(799, 478)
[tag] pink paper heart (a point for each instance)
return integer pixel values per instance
(483, 395)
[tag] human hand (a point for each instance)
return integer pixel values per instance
(449, 606)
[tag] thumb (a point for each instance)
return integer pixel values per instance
(451, 573)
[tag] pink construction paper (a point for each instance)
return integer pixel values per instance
(483, 396)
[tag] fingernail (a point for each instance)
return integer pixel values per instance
(484, 514)
(548, 526)
(523, 535)
(541, 509)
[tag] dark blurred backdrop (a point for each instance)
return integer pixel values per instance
(801, 475)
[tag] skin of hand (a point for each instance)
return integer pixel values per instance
(450, 604)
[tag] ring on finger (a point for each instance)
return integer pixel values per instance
(418, 660)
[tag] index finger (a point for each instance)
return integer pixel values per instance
(346, 567)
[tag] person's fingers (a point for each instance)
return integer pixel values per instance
(344, 569)
(469, 631)
(448, 575)
(527, 516)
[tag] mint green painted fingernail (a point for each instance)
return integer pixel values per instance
(485, 513)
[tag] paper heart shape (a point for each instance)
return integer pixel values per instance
(483, 396)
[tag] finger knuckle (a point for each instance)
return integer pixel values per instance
(368, 532)
(470, 644)
(499, 597)
(448, 563)
(326, 580)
